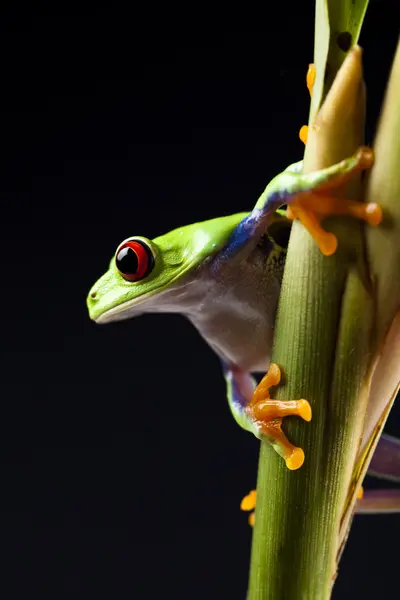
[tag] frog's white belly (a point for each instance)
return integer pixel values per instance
(238, 321)
(244, 342)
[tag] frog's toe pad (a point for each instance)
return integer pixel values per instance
(364, 158)
(373, 214)
(295, 460)
(249, 501)
(310, 78)
(304, 409)
(303, 134)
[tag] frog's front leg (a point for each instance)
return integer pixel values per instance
(255, 411)
(309, 199)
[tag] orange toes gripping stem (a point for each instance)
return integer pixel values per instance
(310, 80)
(268, 415)
(303, 134)
(248, 503)
(310, 77)
(311, 206)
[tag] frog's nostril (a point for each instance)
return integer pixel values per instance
(93, 294)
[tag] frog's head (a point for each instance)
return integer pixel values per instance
(143, 268)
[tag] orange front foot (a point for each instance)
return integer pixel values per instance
(267, 414)
(313, 205)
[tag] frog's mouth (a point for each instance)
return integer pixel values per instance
(174, 296)
(126, 310)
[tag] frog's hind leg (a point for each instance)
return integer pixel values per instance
(255, 411)
(385, 463)
(240, 387)
(379, 502)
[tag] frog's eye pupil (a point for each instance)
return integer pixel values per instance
(127, 261)
(134, 260)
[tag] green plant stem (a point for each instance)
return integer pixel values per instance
(322, 342)
(298, 514)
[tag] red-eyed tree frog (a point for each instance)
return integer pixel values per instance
(224, 275)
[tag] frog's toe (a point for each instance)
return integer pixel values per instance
(326, 241)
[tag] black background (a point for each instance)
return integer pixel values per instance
(122, 470)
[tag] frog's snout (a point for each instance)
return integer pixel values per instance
(91, 301)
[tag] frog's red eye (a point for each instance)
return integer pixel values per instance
(134, 260)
